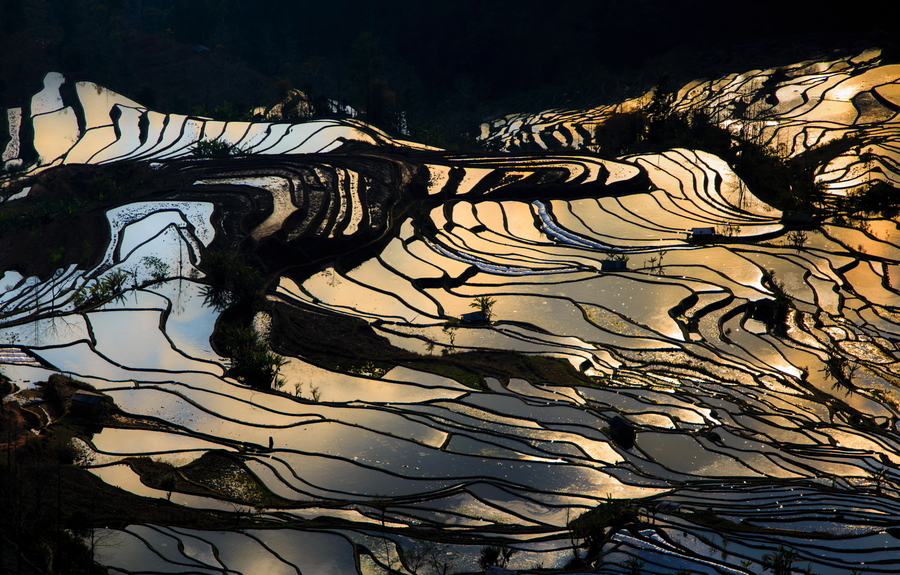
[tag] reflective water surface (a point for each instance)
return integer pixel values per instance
(777, 419)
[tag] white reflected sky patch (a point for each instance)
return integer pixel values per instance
(14, 119)
(55, 134)
(129, 139)
(190, 323)
(197, 214)
(98, 101)
(132, 338)
(91, 142)
(338, 387)
(48, 99)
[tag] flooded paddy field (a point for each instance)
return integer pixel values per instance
(668, 372)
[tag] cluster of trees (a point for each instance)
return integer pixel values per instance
(785, 182)
(46, 524)
(446, 63)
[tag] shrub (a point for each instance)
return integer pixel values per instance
(797, 238)
(493, 555)
(878, 198)
(101, 290)
(634, 566)
(216, 149)
(230, 271)
(486, 305)
(591, 525)
(621, 132)
(159, 270)
(251, 360)
(840, 370)
(780, 308)
(779, 562)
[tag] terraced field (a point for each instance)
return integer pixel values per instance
(754, 352)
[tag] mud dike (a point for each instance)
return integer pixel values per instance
(756, 359)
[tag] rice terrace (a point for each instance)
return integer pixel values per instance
(655, 336)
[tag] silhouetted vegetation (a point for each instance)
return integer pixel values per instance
(657, 127)
(69, 191)
(42, 529)
(100, 290)
(786, 183)
(774, 312)
(484, 304)
(634, 565)
(838, 368)
(159, 270)
(797, 238)
(232, 280)
(216, 149)
(446, 63)
(493, 555)
(879, 198)
(779, 562)
(251, 360)
(595, 526)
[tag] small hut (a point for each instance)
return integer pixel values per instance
(473, 318)
(702, 235)
(613, 265)
(85, 402)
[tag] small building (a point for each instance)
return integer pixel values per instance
(702, 235)
(86, 402)
(473, 318)
(613, 265)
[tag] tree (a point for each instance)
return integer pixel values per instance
(485, 304)
(494, 555)
(159, 270)
(840, 370)
(779, 562)
(797, 238)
